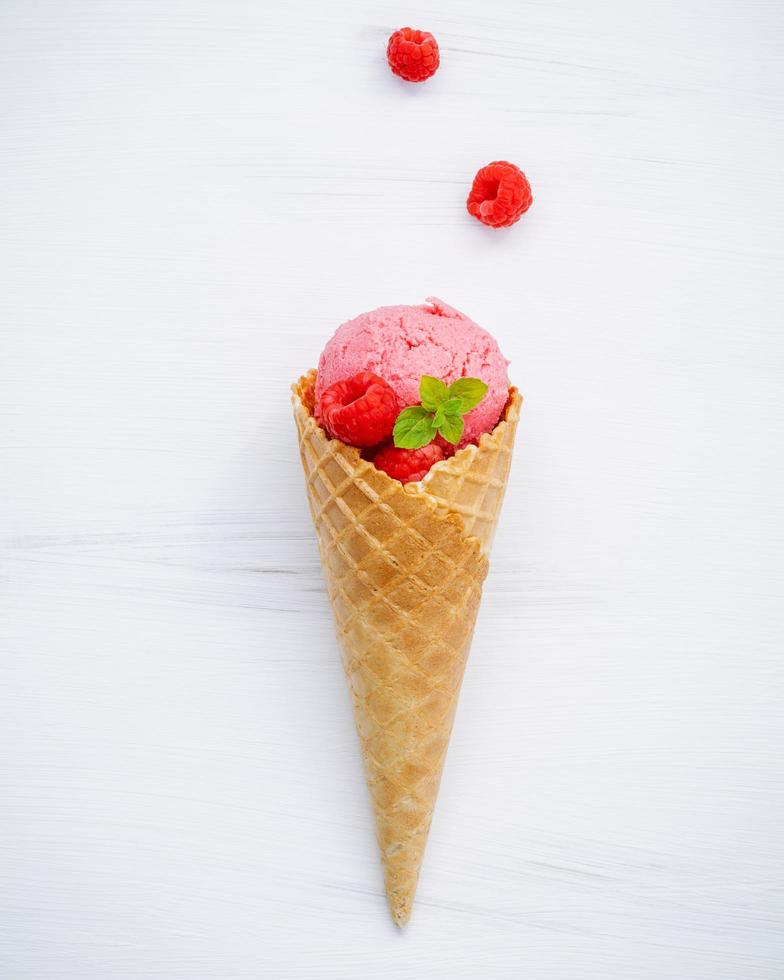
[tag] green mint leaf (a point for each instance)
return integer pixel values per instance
(432, 392)
(452, 406)
(414, 428)
(452, 428)
(470, 391)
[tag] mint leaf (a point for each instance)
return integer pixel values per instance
(414, 428)
(452, 428)
(432, 392)
(452, 406)
(442, 410)
(470, 391)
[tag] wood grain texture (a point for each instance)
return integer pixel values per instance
(192, 195)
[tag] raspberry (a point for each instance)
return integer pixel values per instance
(500, 194)
(360, 411)
(447, 448)
(413, 55)
(407, 465)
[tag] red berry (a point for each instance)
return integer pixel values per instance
(413, 55)
(360, 411)
(500, 194)
(447, 448)
(408, 465)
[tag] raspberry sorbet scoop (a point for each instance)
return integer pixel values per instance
(402, 343)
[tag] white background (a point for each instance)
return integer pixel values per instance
(193, 195)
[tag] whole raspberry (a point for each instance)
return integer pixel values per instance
(407, 465)
(360, 411)
(413, 55)
(500, 195)
(447, 448)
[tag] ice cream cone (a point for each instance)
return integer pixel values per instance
(404, 567)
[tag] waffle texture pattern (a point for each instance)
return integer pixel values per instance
(404, 568)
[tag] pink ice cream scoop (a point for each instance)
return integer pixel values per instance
(401, 343)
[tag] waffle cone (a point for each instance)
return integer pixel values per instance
(404, 567)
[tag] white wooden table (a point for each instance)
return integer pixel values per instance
(192, 196)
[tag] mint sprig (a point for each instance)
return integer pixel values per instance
(440, 413)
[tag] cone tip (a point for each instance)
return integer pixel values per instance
(400, 910)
